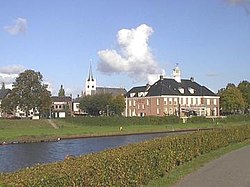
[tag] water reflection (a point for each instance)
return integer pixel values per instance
(17, 156)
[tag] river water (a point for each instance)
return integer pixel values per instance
(17, 156)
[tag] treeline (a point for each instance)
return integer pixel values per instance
(235, 99)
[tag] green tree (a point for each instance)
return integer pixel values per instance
(102, 104)
(244, 87)
(28, 93)
(61, 91)
(118, 104)
(96, 104)
(231, 100)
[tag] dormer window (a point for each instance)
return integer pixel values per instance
(191, 90)
(132, 94)
(181, 90)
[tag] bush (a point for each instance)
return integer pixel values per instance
(132, 165)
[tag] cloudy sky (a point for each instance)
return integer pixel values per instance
(129, 43)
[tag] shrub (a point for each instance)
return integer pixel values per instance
(132, 165)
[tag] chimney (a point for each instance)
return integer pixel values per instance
(161, 77)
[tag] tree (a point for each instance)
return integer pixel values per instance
(102, 104)
(28, 93)
(244, 87)
(96, 104)
(61, 91)
(118, 104)
(231, 100)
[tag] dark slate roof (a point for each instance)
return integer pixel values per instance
(112, 91)
(4, 92)
(168, 86)
(61, 98)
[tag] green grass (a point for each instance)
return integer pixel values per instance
(180, 172)
(36, 130)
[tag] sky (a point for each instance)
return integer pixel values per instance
(128, 43)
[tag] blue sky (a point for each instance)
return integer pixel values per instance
(127, 41)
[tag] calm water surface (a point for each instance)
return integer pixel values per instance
(17, 156)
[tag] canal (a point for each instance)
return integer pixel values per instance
(17, 156)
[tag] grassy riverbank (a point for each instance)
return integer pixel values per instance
(37, 130)
(181, 171)
(132, 165)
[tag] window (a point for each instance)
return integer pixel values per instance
(157, 111)
(147, 102)
(165, 101)
(208, 101)
(191, 90)
(170, 101)
(132, 94)
(170, 111)
(215, 102)
(134, 102)
(181, 90)
(129, 103)
(143, 106)
(157, 101)
(175, 101)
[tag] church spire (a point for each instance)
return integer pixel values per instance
(90, 84)
(91, 77)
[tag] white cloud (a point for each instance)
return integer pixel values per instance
(133, 56)
(243, 3)
(19, 27)
(8, 74)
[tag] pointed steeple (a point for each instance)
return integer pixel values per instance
(90, 84)
(91, 77)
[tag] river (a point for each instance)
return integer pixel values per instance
(14, 157)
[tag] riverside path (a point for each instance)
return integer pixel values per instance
(230, 170)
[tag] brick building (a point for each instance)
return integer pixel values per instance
(172, 96)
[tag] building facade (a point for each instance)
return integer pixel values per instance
(172, 96)
(92, 89)
(61, 106)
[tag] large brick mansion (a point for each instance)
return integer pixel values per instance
(172, 96)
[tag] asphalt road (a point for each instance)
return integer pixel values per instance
(230, 170)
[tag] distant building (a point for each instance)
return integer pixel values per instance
(172, 96)
(92, 89)
(61, 106)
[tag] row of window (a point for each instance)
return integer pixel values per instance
(59, 106)
(176, 101)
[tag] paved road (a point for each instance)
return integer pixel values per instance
(230, 170)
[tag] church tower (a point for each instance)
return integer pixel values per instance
(90, 84)
(177, 73)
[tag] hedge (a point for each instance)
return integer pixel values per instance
(132, 165)
(118, 120)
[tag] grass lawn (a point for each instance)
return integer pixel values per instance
(180, 172)
(29, 130)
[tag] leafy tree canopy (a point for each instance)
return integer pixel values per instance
(231, 99)
(244, 87)
(102, 104)
(28, 93)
